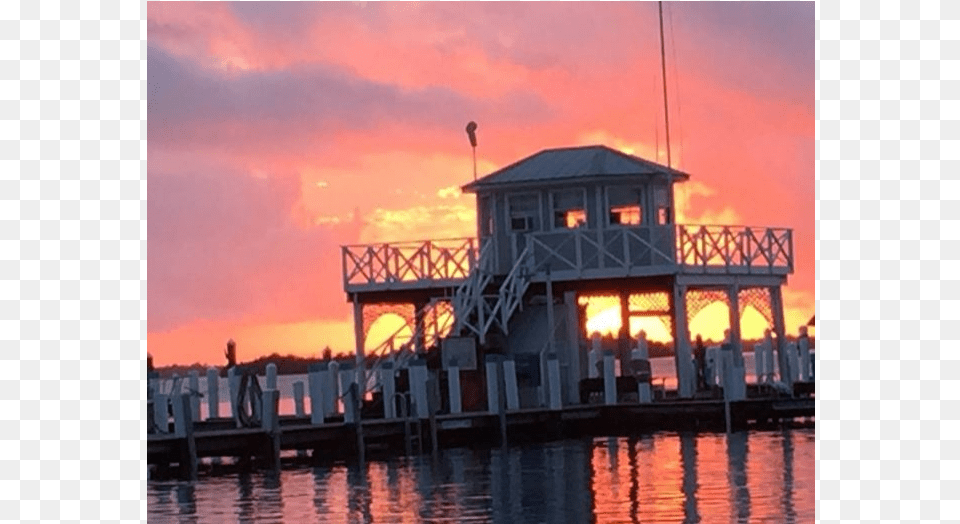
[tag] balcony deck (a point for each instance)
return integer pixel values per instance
(578, 254)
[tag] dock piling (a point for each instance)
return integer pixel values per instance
(418, 387)
(183, 428)
(161, 416)
(195, 394)
(593, 357)
(347, 377)
(298, 399)
(553, 375)
(318, 401)
(271, 425)
(510, 384)
(271, 376)
(609, 379)
(213, 393)
(330, 390)
(233, 381)
(492, 384)
(389, 389)
(453, 389)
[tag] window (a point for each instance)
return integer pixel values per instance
(624, 205)
(568, 209)
(570, 219)
(663, 216)
(486, 216)
(524, 210)
(625, 215)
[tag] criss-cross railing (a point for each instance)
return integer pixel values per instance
(400, 346)
(406, 264)
(735, 249)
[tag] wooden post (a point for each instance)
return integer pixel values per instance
(359, 361)
(330, 391)
(418, 386)
(553, 375)
(641, 357)
(389, 389)
(609, 379)
(233, 381)
(593, 357)
(160, 414)
(315, 383)
(571, 361)
(271, 425)
(453, 389)
(347, 377)
(183, 428)
(779, 328)
(510, 384)
(492, 383)
(683, 355)
(271, 376)
(195, 394)
(213, 393)
(298, 399)
(803, 347)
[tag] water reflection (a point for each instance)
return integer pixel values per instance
(741, 477)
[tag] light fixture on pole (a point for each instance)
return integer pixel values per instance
(472, 133)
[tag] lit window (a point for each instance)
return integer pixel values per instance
(663, 216)
(570, 219)
(625, 215)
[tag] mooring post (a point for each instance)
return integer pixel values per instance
(418, 386)
(298, 399)
(453, 388)
(510, 384)
(271, 425)
(213, 393)
(553, 376)
(271, 376)
(726, 365)
(195, 394)
(298, 406)
(641, 357)
(492, 383)
(183, 428)
(759, 360)
(593, 357)
(609, 378)
(803, 347)
(389, 389)
(330, 392)
(347, 377)
(433, 399)
(315, 383)
(356, 403)
(233, 381)
(712, 371)
(161, 416)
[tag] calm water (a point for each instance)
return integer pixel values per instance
(757, 476)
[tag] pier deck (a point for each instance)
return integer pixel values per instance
(220, 437)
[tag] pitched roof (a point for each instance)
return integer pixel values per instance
(567, 163)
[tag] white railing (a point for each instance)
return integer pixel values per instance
(735, 249)
(582, 249)
(449, 260)
(688, 248)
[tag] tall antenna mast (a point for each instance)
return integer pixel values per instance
(663, 64)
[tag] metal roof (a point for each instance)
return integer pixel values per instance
(563, 164)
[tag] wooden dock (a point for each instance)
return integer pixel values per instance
(337, 439)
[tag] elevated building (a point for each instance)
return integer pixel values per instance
(553, 228)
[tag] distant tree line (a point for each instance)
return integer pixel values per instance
(293, 365)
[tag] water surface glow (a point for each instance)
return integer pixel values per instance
(756, 476)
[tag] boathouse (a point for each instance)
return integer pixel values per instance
(553, 230)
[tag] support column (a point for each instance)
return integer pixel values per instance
(776, 306)
(571, 358)
(624, 336)
(683, 358)
(419, 329)
(733, 295)
(358, 335)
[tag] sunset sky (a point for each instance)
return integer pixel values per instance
(278, 132)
